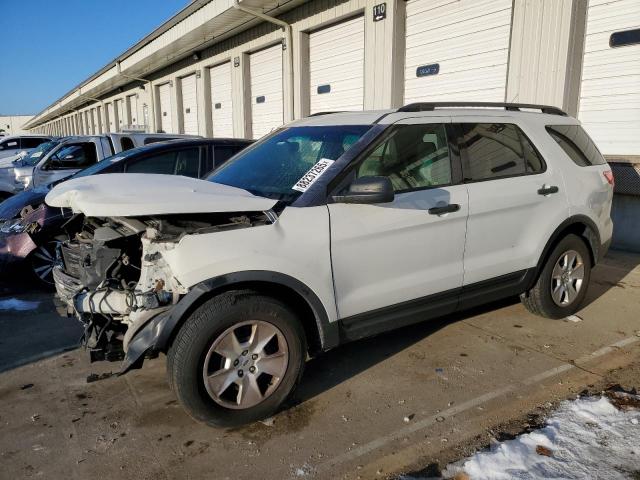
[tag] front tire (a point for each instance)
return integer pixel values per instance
(236, 358)
(563, 281)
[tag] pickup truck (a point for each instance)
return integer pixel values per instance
(75, 153)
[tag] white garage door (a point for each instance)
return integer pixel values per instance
(120, 115)
(111, 120)
(267, 110)
(164, 94)
(190, 105)
(610, 91)
(132, 105)
(336, 67)
(457, 50)
(221, 101)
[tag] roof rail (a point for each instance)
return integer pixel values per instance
(429, 106)
(325, 113)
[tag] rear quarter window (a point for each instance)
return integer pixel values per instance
(576, 144)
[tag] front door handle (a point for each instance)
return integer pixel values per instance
(452, 207)
(547, 190)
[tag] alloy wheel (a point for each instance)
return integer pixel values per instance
(567, 278)
(44, 258)
(245, 364)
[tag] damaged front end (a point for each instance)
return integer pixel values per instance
(116, 279)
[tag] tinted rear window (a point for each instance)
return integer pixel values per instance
(576, 144)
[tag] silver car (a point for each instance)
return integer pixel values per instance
(12, 145)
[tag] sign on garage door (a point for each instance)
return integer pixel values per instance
(190, 105)
(267, 111)
(120, 114)
(610, 90)
(132, 108)
(221, 100)
(457, 50)
(164, 94)
(336, 67)
(111, 126)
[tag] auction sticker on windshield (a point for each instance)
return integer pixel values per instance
(313, 174)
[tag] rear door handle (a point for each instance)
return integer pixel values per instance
(452, 207)
(547, 190)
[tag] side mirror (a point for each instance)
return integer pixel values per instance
(367, 190)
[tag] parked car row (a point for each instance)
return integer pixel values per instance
(330, 229)
(30, 231)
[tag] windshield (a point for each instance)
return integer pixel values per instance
(37, 153)
(271, 167)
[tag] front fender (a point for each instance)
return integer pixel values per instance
(156, 335)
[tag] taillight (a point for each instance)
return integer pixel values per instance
(609, 176)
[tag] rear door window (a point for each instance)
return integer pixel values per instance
(126, 143)
(29, 143)
(222, 153)
(576, 144)
(177, 162)
(496, 150)
(13, 144)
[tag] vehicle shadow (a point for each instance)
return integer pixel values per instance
(611, 273)
(339, 365)
(346, 361)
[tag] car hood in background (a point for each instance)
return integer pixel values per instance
(12, 206)
(134, 194)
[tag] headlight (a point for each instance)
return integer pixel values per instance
(16, 226)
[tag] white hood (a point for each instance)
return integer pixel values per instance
(135, 194)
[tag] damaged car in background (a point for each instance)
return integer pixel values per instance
(331, 229)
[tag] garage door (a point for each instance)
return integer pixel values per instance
(610, 90)
(457, 50)
(164, 94)
(190, 105)
(221, 101)
(120, 115)
(267, 110)
(336, 67)
(111, 121)
(132, 105)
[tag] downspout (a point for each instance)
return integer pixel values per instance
(288, 38)
(152, 113)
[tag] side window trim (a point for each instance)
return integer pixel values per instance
(346, 176)
(524, 138)
(463, 154)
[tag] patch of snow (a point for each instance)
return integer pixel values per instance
(585, 438)
(15, 304)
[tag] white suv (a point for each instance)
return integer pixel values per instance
(333, 228)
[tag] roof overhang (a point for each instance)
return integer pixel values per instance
(199, 25)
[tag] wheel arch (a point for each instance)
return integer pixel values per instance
(321, 334)
(579, 225)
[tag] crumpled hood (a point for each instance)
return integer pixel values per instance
(135, 194)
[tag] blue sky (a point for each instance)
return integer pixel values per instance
(49, 46)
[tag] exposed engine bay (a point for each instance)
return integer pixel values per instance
(115, 278)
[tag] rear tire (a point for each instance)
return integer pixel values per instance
(253, 344)
(563, 281)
